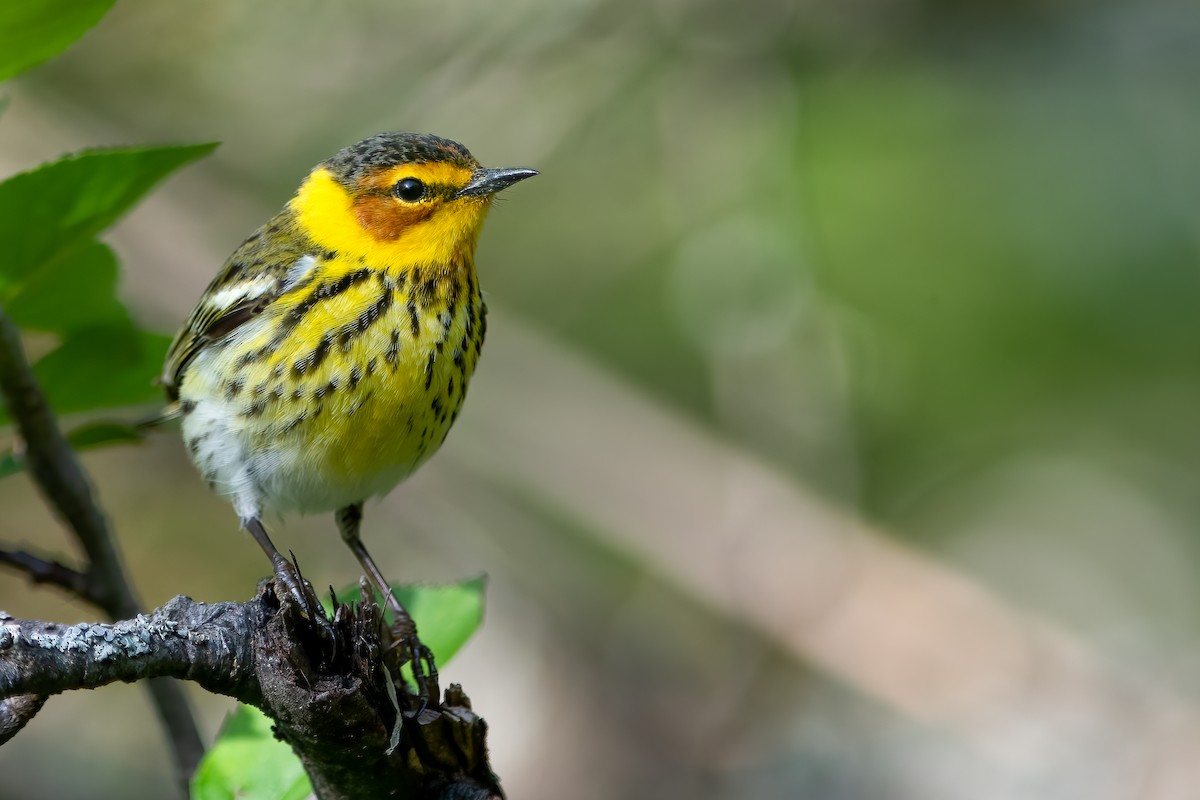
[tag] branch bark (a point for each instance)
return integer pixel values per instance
(16, 711)
(62, 481)
(334, 693)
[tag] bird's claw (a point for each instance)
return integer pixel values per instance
(290, 585)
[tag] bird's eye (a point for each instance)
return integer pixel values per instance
(409, 190)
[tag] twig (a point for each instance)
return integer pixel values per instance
(54, 573)
(58, 473)
(330, 698)
(61, 479)
(16, 711)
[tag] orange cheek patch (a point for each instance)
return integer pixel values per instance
(385, 219)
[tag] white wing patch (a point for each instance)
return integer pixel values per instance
(297, 273)
(239, 292)
(253, 288)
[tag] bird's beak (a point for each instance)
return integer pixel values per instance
(489, 181)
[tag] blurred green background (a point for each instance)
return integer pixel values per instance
(926, 264)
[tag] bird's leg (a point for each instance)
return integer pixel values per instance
(403, 629)
(287, 573)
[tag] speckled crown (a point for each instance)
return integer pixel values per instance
(389, 149)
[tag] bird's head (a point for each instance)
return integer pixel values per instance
(399, 199)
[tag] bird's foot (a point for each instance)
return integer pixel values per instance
(404, 640)
(290, 587)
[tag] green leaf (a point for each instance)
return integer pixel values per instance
(105, 366)
(71, 292)
(248, 763)
(32, 31)
(85, 437)
(95, 434)
(60, 206)
(446, 614)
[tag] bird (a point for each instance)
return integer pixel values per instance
(330, 356)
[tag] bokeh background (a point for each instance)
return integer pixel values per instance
(835, 437)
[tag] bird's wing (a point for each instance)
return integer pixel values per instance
(274, 260)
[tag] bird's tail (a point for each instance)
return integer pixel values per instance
(149, 422)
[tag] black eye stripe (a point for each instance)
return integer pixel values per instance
(409, 190)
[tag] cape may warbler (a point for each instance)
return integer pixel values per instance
(331, 355)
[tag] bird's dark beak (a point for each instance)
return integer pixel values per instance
(489, 181)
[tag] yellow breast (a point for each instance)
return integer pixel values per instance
(340, 389)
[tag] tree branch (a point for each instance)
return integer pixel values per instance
(183, 639)
(337, 699)
(62, 481)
